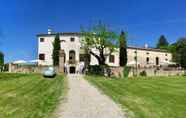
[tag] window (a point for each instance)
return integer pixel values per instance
(157, 60)
(147, 60)
(111, 58)
(135, 51)
(72, 39)
(165, 54)
(147, 53)
(166, 59)
(41, 56)
(42, 39)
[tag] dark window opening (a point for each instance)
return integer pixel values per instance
(41, 56)
(157, 60)
(72, 39)
(42, 39)
(111, 59)
(147, 60)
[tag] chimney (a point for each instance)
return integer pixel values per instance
(146, 45)
(49, 31)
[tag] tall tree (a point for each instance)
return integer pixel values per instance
(1, 60)
(123, 49)
(162, 42)
(100, 38)
(179, 49)
(56, 49)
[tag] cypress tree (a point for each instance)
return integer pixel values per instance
(123, 49)
(162, 42)
(56, 49)
(1, 61)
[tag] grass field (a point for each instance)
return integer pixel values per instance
(29, 96)
(158, 97)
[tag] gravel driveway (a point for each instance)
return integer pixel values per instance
(85, 101)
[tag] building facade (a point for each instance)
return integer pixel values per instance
(74, 54)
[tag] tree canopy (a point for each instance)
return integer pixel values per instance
(100, 38)
(1, 59)
(123, 49)
(178, 50)
(56, 49)
(162, 42)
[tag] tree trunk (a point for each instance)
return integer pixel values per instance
(102, 58)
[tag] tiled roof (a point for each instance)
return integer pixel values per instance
(147, 49)
(62, 33)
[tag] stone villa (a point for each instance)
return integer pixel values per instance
(74, 54)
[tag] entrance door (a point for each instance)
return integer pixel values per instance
(72, 70)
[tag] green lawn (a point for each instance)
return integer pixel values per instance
(29, 96)
(158, 97)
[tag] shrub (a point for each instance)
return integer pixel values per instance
(143, 73)
(126, 71)
(97, 69)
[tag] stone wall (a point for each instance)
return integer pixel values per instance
(15, 68)
(118, 71)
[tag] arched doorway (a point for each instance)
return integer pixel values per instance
(72, 55)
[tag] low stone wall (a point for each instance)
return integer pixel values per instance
(162, 72)
(15, 68)
(118, 71)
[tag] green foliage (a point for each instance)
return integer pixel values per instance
(123, 49)
(126, 71)
(162, 42)
(99, 37)
(143, 73)
(178, 49)
(1, 60)
(56, 49)
(97, 69)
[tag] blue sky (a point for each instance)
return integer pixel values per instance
(144, 20)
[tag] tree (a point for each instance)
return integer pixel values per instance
(1, 61)
(56, 49)
(123, 49)
(179, 52)
(101, 39)
(162, 42)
